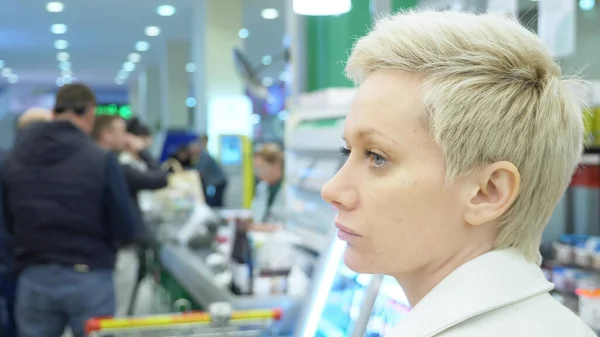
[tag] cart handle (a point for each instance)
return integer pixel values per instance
(98, 324)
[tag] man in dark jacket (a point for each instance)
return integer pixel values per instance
(141, 173)
(65, 200)
(8, 278)
(214, 179)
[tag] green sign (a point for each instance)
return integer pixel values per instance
(124, 111)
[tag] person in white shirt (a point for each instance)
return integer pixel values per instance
(461, 138)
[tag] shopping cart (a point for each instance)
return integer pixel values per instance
(219, 321)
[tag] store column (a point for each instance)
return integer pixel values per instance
(152, 102)
(176, 84)
(221, 105)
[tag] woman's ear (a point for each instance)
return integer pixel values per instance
(496, 188)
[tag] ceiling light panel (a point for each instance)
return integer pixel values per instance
(152, 31)
(58, 28)
(55, 7)
(270, 13)
(61, 44)
(165, 10)
(243, 33)
(142, 46)
(134, 57)
(63, 56)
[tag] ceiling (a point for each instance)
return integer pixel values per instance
(101, 35)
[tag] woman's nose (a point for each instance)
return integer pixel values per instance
(340, 193)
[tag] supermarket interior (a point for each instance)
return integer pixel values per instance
(260, 85)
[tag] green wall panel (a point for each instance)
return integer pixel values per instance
(329, 40)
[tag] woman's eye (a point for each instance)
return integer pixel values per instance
(344, 151)
(376, 160)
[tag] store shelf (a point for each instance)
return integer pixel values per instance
(590, 158)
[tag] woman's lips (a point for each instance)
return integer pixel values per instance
(345, 233)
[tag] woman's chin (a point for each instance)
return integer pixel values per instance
(358, 262)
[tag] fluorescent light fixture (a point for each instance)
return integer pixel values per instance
(332, 262)
(129, 66)
(65, 65)
(1, 64)
(190, 67)
(587, 5)
(63, 56)
(142, 46)
(61, 44)
(58, 28)
(55, 7)
(152, 31)
(6, 72)
(267, 59)
(243, 33)
(320, 7)
(271, 13)
(13, 78)
(134, 57)
(165, 10)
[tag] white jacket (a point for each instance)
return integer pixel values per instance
(498, 294)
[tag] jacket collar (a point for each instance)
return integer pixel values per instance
(488, 282)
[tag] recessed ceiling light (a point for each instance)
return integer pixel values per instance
(267, 59)
(66, 73)
(587, 5)
(13, 78)
(60, 81)
(142, 46)
(68, 79)
(66, 65)
(269, 13)
(128, 66)
(134, 57)
(55, 7)
(58, 28)
(1, 64)
(243, 33)
(6, 72)
(152, 31)
(123, 74)
(63, 56)
(165, 10)
(190, 67)
(61, 44)
(119, 81)
(190, 102)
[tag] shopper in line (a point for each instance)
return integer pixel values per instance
(461, 139)
(214, 178)
(141, 173)
(8, 277)
(66, 203)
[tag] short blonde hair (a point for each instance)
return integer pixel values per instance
(491, 92)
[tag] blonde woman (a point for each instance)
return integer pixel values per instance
(460, 140)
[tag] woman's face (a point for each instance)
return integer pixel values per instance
(267, 172)
(390, 192)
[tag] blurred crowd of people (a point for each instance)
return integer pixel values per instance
(71, 229)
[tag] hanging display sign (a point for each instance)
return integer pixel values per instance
(557, 26)
(321, 7)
